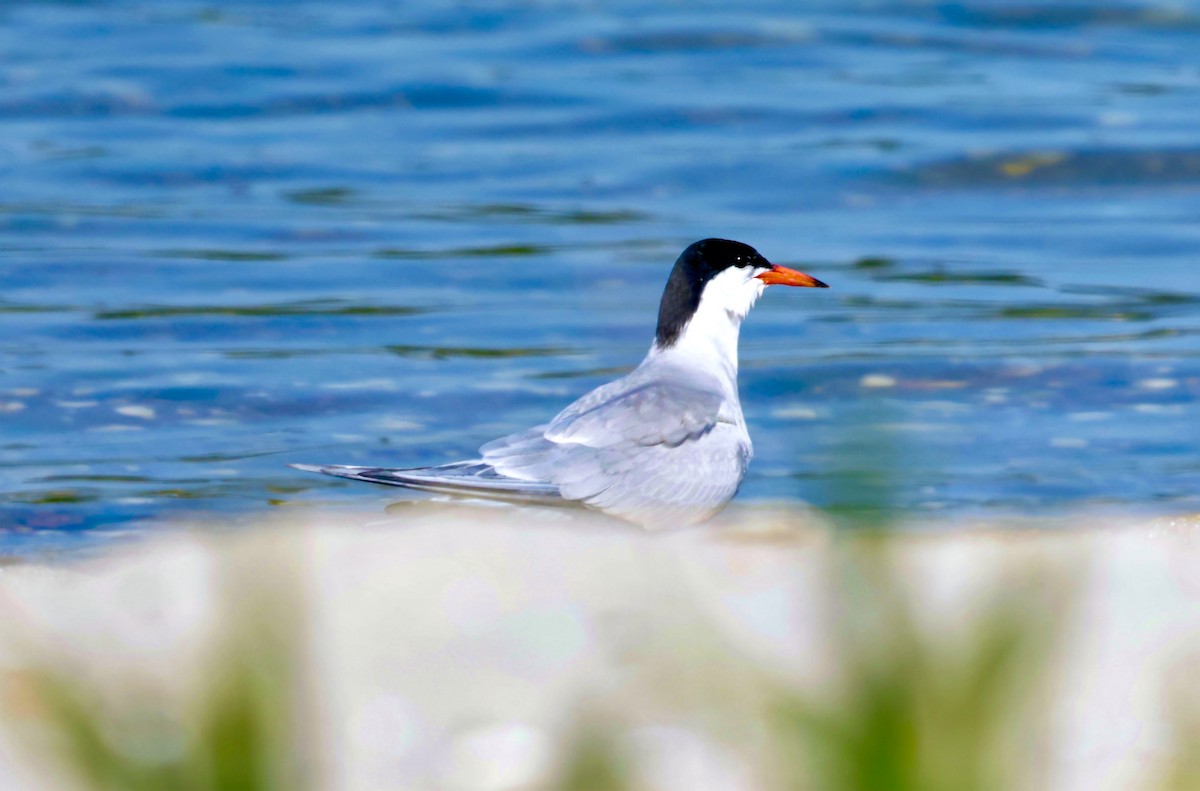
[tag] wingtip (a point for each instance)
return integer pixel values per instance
(307, 467)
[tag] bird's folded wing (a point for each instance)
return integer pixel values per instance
(654, 413)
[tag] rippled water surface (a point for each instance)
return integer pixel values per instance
(234, 236)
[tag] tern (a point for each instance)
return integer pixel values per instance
(664, 445)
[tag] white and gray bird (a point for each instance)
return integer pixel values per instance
(664, 445)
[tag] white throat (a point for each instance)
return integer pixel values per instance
(710, 339)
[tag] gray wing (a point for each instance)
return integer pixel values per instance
(667, 449)
(654, 413)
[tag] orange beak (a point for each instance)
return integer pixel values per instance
(782, 276)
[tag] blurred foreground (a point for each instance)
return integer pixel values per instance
(471, 648)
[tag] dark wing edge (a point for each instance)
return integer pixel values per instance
(464, 479)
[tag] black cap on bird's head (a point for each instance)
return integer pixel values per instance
(699, 264)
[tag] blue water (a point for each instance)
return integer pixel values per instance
(236, 235)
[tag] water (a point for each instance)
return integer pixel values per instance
(234, 236)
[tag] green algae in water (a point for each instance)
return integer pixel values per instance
(308, 308)
(322, 196)
(224, 255)
(55, 497)
(942, 277)
(450, 352)
(485, 251)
